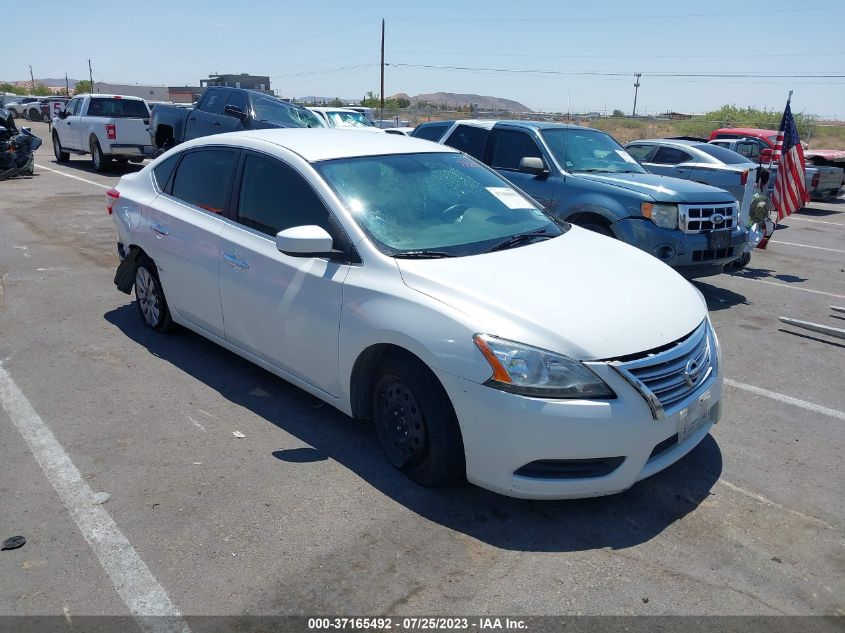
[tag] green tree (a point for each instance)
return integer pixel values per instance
(618, 113)
(7, 87)
(83, 87)
(41, 90)
(337, 103)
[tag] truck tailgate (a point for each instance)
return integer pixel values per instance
(131, 131)
(830, 178)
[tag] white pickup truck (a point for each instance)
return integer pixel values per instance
(105, 126)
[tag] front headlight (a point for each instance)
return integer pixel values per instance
(530, 371)
(665, 215)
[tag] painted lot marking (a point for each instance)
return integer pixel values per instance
(818, 248)
(131, 577)
(792, 217)
(61, 173)
(775, 504)
(795, 402)
(790, 286)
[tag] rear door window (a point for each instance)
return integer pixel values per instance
(670, 156)
(163, 171)
(510, 147)
(469, 139)
(203, 178)
(212, 101)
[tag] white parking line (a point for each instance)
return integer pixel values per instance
(131, 577)
(775, 504)
(795, 402)
(790, 286)
(793, 217)
(818, 248)
(61, 173)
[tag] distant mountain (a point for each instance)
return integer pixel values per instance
(49, 82)
(454, 99)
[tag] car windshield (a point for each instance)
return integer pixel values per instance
(584, 150)
(441, 204)
(118, 108)
(272, 110)
(727, 156)
(339, 118)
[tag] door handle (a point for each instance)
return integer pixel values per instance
(215, 124)
(158, 228)
(234, 262)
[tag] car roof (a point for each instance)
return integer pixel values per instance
(748, 131)
(536, 125)
(110, 96)
(317, 144)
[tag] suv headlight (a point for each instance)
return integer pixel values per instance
(530, 371)
(665, 215)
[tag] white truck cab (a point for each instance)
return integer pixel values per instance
(105, 126)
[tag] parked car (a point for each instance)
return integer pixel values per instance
(408, 284)
(108, 127)
(343, 118)
(404, 131)
(18, 107)
(225, 110)
(41, 110)
(701, 162)
(584, 176)
(822, 181)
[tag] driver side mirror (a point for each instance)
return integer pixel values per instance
(62, 114)
(766, 155)
(533, 165)
(304, 241)
(235, 111)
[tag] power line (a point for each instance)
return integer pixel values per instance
(638, 56)
(623, 74)
(324, 71)
(627, 18)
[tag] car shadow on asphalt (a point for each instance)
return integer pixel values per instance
(620, 521)
(719, 298)
(767, 273)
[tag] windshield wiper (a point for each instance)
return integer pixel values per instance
(517, 240)
(423, 254)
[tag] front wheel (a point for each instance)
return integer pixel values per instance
(416, 424)
(149, 297)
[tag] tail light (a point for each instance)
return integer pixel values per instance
(816, 179)
(111, 197)
(744, 178)
(111, 132)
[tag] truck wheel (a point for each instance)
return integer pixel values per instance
(61, 156)
(97, 156)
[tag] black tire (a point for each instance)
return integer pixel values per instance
(149, 297)
(98, 159)
(415, 422)
(595, 227)
(45, 118)
(61, 156)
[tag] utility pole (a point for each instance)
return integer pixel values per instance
(32, 78)
(90, 76)
(381, 116)
(67, 86)
(636, 88)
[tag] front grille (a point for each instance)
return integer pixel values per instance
(707, 255)
(703, 218)
(670, 378)
(570, 468)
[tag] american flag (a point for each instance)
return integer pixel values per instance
(790, 189)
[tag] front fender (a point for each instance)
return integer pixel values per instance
(592, 203)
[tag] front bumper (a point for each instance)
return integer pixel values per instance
(503, 432)
(688, 253)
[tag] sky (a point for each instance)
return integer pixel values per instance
(534, 55)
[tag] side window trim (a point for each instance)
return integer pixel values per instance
(347, 247)
(227, 212)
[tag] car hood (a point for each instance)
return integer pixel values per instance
(581, 294)
(662, 188)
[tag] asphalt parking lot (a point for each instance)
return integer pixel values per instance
(304, 516)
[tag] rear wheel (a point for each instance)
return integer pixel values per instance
(415, 422)
(97, 157)
(61, 156)
(149, 297)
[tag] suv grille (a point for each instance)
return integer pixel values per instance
(668, 380)
(703, 218)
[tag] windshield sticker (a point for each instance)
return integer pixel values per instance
(626, 156)
(510, 198)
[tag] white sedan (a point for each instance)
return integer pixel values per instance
(404, 282)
